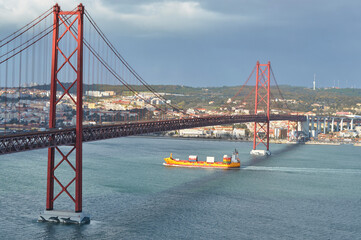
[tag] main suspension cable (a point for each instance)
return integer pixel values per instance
(30, 44)
(26, 26)
(126, 64)
(120, 79)
(280, 90)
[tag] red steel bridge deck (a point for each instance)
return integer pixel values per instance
(60, 137)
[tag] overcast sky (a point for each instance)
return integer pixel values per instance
(217, 43)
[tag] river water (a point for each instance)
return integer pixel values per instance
(300, 192)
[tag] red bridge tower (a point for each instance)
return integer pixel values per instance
(262, 100)
(71, 32)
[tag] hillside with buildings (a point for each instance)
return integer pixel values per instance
(27, 108)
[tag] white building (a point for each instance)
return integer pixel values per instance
(191, 132)
(348, 134)
(190, 111)
(239, 133)
(100, 93)
(156, 101)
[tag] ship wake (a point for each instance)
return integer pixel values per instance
(302, 170)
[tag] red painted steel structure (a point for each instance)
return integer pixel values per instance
(262, 99)
(76, 18)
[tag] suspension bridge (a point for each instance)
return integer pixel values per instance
(67, 56)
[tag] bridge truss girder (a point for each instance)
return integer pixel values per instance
(66, 137)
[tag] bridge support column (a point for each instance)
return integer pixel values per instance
(299, 129)
(312, 127)
(305, 127)
(341, 125)
(337, 126)
(52, 111)
(333, 125)
(351, 124)
(324, 125)
(69, 21)
(308, 127)
(262, 99)
(328, 125)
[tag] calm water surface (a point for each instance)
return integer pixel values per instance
(300, 192)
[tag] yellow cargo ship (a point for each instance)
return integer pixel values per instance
(228, 162)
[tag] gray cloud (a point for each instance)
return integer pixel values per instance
(211, 42)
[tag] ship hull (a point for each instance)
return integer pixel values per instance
(183, 163)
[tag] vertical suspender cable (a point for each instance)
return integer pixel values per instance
(26, 63)
(42, 67)
(87, 84)
(67, 46)
(19, 89)
(97, 81)
(92, 82)
(33, 60)
(13, 88)
(6, 90)
(101, 49)
(107, 72)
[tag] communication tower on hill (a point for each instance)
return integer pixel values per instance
(314, 82)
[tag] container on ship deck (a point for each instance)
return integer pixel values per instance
(226, 159)
(210, 159)
(193, 158)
